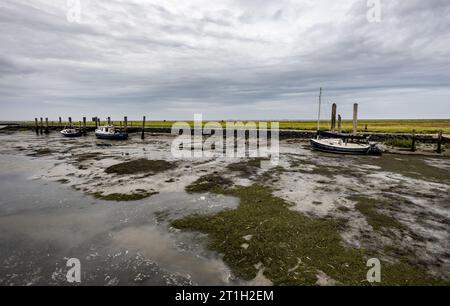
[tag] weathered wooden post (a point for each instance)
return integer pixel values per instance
(413, 141)
(60, 122)
(79, 123)
(46, 126)
(355, 118)
(333, 117)
(70, 122)
(84, 125)
(125, 120)
(339, 124)
(36, 125)
(439, 144)
(143, 128)
(109, 120)
(42, 126)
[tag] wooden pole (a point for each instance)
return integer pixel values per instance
(42, 125)
(46, 126)
(413, 142)
(70, 122)
(60, 122)
(339, 124)
(143, 128)
(125, 120)
(109, 120)
(439, 144)
(84, 125)
(355, 118)
(36, 125)
(333, 117)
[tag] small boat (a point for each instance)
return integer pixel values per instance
(339, 143)
(110, 132)
(71, 132)
(340, 146)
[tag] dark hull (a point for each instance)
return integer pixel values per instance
(336, 150)
(116, 136)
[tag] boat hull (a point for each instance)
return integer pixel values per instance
(71, 135)
(321, 146)
(115, 136)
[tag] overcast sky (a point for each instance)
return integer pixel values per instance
(226, 59)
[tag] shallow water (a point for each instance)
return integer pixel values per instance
(42, 224)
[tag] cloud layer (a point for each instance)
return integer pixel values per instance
(228, 59)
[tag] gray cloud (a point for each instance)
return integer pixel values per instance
(226, 59)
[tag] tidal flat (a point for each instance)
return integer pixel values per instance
(134, 214)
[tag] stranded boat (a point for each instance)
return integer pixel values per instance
(109, 132)
(339, 143)
(71, 133)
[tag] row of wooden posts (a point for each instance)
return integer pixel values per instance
(41, 129)
(355, 127)
(339, 119)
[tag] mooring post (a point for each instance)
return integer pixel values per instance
(439, 144)
(109, 120)
(46, 126)
(339, 124)
(84, 125)
(70, 122)
(413, 141)
(333, 117)
(355, 118)
(60, 122)
(143, 128)
(42, 126)
(36, 125)
(125, 120)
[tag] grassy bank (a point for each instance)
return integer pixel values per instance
(375, 126)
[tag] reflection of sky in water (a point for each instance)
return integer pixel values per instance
(42, 224)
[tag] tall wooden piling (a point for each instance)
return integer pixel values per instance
(36, 125)
(333, 117)
(70, 122)
(46, 126)
(355, 118)
(42, 126)
(59, 122)
(339, 124)
(95, 121)
(439, 142)
(125, 120)
(84, 125)
(143, 128)
(109, 120)
(413, 141)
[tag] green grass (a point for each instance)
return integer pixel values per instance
(379, 126)
(399, 143)
(292, 247)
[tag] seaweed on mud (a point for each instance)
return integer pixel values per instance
(41, 152)
(123, 197)
(370, 209)
(291, 247)
(209, 183)
(141, 166)
(247, 167)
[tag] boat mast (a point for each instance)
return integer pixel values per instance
(318, 118)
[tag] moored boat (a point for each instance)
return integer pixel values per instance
(340, 146)
(110, 132)
(71, 133)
